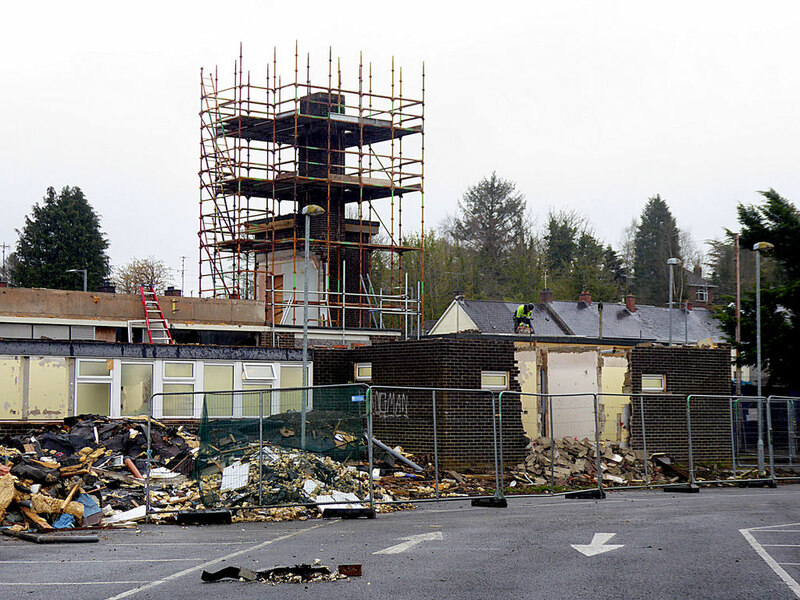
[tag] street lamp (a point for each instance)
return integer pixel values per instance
(79, 271)
(309, 211)
(757, 248)
(671, 262)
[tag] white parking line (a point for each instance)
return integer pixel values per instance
(194, 545)
(174, 576)
(105, 560)
(66, 583)
(773, 564)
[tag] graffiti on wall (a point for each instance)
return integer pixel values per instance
(390, 404)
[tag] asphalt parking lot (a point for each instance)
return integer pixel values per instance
(721, 543)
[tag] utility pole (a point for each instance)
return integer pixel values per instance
(3, 274)
(183, 275)
(737, 267)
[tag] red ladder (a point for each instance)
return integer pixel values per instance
(157, 326)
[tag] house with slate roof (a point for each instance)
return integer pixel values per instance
(581, 347)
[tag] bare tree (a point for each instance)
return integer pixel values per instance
(147, 272)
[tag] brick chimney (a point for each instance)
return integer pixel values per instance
(546, 296)
(585, 297)
(630, 303)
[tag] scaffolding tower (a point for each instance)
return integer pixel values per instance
(270, 148)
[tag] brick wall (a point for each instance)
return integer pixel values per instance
(694, 371)
(404, 416)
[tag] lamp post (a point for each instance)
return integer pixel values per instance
(309, 211)
(757, 248)
(79, 271)
(671, 262)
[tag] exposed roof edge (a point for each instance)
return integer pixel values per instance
(121, 350)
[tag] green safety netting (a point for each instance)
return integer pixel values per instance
(227, 465)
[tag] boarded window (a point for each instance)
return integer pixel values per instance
(94, 398)
(654, 383)
(93, 390)
(494, 380)
(178, 400)
(258, 371)
(178, 369)
(218, 378)
(94, 368)
(364, 371)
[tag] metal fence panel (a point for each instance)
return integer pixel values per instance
(782, 413)
(450, 433)
(256, 452)
(562, 453)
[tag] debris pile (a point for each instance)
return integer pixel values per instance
(304, 573)
(92, 471)
(287, 476)
(573, 463)
(88, 471)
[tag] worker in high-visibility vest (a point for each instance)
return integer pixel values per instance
(523, 315)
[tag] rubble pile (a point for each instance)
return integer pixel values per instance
(88, 472)
(288, 476)
(91, 471)
(574, 464)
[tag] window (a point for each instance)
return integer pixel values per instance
(178, 369)
(364, 371)
(218, 378)
(136, 387)
(257, 379)
(257, 371)
(178, 388)
(701, 294)
(654, 383)
(494, 380)
(93, 389)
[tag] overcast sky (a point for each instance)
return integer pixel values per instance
(592, 106)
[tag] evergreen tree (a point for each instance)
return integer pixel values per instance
(492, 213)
(657, 239)
(62, 233)
(776, 221)
(560, 242)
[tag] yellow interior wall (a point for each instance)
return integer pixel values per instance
(10, 387)
(613, 375)
(48, 388)
(529, 384)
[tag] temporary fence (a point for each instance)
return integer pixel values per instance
(270, 448)
(763, 439)
(782, 417)
(560, 421)
(267, 448)
(453, 432)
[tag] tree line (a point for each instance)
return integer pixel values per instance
(491, 250)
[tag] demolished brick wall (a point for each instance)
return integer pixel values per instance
(404, 416)
(687, 370)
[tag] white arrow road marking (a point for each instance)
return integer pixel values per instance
(413, 540)
(598, 545)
